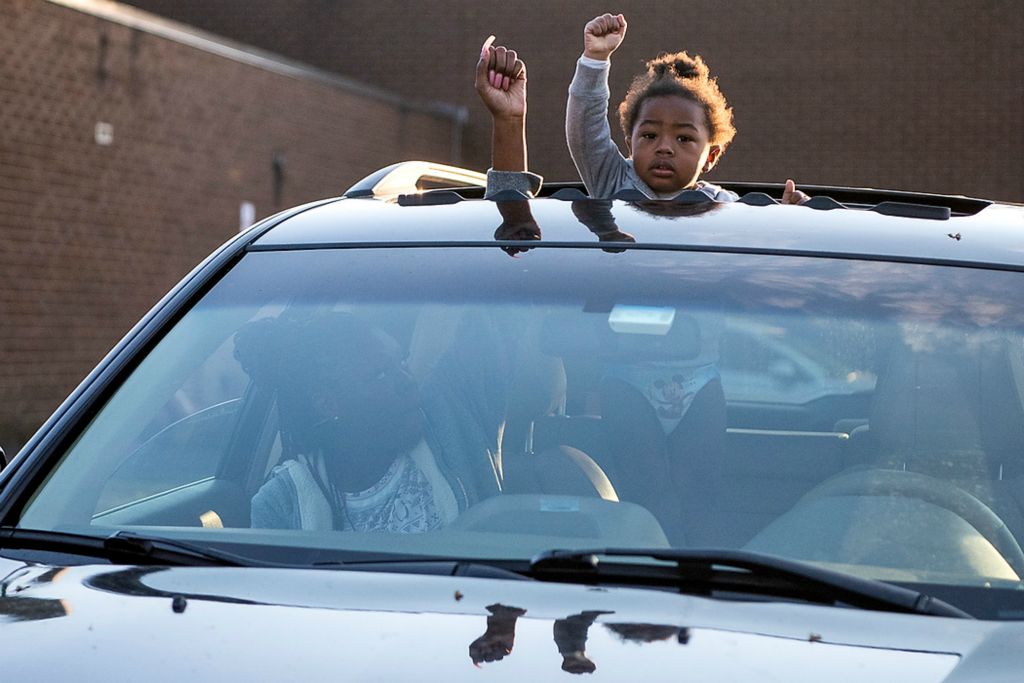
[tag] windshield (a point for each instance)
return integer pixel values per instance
(863, 416)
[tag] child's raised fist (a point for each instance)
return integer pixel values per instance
(501, 80)
(602, 35)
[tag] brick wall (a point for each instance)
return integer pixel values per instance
(921, 95)
(93, 235)
(914, 94)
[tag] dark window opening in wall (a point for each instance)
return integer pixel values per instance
(134, 50)
(277, 168)
(102, 70)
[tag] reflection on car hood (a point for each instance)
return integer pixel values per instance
(98, 623)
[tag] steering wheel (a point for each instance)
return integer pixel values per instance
(881, 482)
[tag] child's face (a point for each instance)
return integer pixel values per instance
(671, 144)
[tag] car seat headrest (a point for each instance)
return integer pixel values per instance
(538, 388)
(1001, 411)
(926, 402)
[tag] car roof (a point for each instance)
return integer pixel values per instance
(844, 222)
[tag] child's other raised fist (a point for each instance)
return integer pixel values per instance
(602, 35)
(501, 80)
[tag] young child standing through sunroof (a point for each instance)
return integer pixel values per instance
(675, 119)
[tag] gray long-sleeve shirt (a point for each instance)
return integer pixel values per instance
(598, 160)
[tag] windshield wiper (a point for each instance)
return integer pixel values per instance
(122, 547)
(130, 547)
(428, 564)
(709, 572)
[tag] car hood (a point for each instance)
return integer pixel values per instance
(119, 623)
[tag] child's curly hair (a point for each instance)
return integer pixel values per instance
(686, 76)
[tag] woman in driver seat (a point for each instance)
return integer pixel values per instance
(361, 452)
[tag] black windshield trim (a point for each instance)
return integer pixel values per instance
(652, 246)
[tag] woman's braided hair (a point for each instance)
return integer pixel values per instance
(686, 76)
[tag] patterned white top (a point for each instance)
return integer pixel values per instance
(405, 500)
(412, 496)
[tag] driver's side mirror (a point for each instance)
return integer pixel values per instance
(3, 458)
